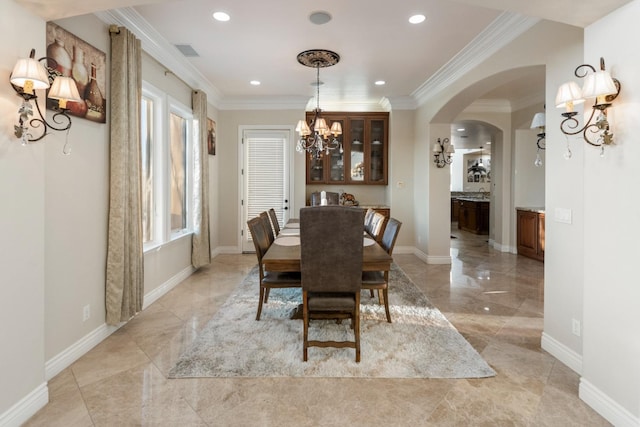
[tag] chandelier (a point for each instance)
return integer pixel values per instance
(316, 137)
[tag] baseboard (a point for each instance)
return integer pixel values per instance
(404, 250)
(226, 250)
(605, 406)
(78, 349)
(429, 259)
(158, 292)
(561, 352)
(500, 247)
(26, 407)
(64, 359)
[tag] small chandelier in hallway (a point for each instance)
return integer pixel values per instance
(316, 137)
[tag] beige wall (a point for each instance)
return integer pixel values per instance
(611, 343)
(229, 170)
(77, 202)
(22, 223)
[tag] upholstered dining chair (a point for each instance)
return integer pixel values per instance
(264, 216)
(368, 217)
(377, 226)
(379, 280)
(268, 279)
(331, 265)
(274, 221)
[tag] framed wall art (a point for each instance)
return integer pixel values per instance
(70, 56)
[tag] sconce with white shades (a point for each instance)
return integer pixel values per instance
(30, 75)
(539, 122)
(598, 84)
(443, 151)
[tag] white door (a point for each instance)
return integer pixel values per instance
(265, 177)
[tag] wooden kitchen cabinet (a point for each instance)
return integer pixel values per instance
(530, 231)
(473, 216)
(365, 148)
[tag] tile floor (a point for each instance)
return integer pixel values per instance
(494, 299)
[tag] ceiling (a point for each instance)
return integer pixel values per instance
(373, 38)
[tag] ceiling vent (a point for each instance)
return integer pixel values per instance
(187, 50)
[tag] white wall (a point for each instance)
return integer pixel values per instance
(229, 173)
(22, 222)
(528, 179)
(564, 243)
(76, 232)
(55, 223)
(532, 48)
(611, 346)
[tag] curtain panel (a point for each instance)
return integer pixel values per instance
(201, 245)
(125, 257)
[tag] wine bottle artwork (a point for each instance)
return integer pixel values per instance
(71, 56)
(94, 99)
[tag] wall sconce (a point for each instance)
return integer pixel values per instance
(598, 84)
(29, 75)
(538, 122)
(442, 152)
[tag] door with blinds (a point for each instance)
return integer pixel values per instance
(265, 175)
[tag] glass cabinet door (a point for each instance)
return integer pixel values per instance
(356, 164)
(335, 159)
(316, 169)
(376, 159)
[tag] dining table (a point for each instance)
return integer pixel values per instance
(284, 253)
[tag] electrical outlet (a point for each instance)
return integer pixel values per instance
(86, 312)
(575, 327)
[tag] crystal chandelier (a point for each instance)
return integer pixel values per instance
(316, 137)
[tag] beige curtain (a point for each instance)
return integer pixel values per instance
(125, 282)
(201, 247)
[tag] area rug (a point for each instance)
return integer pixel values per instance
(420, 343)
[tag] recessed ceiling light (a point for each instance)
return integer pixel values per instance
(380, 83)
(416, 19)
(255, 82)
(320, 17)
(488, 142)
(221, 16)
(461, 129)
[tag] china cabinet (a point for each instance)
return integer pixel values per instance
(365, 147)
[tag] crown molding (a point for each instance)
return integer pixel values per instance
(504, 29)
(399, 103)
(264, 103)
(161, 50)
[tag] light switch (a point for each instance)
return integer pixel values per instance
(562, 215)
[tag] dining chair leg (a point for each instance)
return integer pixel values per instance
(262, 291)
(356, 329)
(266, 295)
(385, 293)
(305, 321)
(371, 292)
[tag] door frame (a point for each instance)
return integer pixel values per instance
(290, 131)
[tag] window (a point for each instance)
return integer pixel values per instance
(167, 132)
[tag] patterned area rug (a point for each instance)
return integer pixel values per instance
(420, 343)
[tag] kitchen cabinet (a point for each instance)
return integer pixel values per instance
(473, 215)
(530, 233)
(365, 148)
(455, 208)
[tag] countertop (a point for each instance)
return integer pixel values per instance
(536, 209)
(473, 199)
